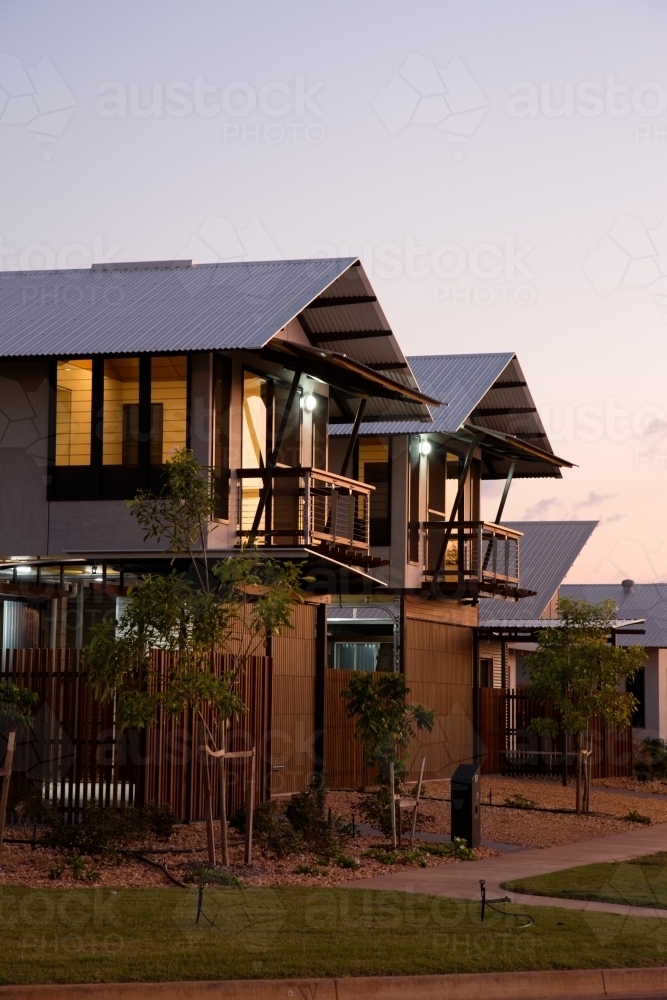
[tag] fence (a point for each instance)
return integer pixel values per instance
(510, 746)
(76, 755)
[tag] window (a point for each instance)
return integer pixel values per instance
(486, 673)
(74, 400)
(320, 435)
(117, 420)
(373, 468)
(120, 412)
(222, 385)
(255, 421)
(169, 402)
(413, 500)
(442, 486)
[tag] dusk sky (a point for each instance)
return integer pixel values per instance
(499, 166)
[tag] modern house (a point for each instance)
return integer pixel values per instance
(327, 446)
(645, 602)
(508, 631)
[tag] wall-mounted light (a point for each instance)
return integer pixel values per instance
(424, 447)
(309, 402)
(23, 570)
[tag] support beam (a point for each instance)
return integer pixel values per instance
(455, 511)
(353, 437)
(503, 499)
(273, 457)
(503, 411)
(387, 366)
(325, 338)
(341, 300)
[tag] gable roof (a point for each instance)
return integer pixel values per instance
(642, 600)
(482, 393)
(547, 551)
(131, 309)
(164, 306)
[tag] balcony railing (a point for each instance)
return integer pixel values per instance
(477, 551)
(304, 507)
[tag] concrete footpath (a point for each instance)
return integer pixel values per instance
(462, 880)
(592, 984)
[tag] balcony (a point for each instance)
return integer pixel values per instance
(305, 507)
(479, 553)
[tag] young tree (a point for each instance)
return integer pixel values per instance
(384, 725)
(231, 608)
(15, 712)
(577, 670)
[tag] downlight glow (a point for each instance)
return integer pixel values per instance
(424, 447)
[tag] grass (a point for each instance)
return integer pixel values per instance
(93, 935)
(638, 882)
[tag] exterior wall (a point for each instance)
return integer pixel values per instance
(655, 695)
(438, 644)
(24, 427)
(293, 714)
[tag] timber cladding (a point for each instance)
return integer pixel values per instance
(293, 715)
(438, 666)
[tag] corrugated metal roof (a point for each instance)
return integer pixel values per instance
(539, 623)
(479, 389)
(460, 380)
(643, 600)
(207, 307)
(371, 612)
(547, 551)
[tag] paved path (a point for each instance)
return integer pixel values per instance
(462, 880)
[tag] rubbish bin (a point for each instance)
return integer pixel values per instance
(465, 804)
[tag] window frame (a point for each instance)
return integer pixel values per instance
(111, 482)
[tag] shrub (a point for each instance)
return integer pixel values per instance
(107, 831)
(305, 813)
(458, 848)
(635, 817)
(520, 802)
(650, 758)
(271, 829)
(209, 876)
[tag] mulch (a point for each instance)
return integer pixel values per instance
(555, 823)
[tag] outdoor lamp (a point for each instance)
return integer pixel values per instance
(424, 447)
(309, 402)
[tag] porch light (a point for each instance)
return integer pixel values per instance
(23, 570)
(424, 447)
(309, 402)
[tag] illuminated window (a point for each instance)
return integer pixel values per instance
(255, 421)
(74, 394)
(169, 402)
(120, 435)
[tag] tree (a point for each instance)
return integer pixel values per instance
(384, 726)
(577, 670)
(15, 712)
(231, 608)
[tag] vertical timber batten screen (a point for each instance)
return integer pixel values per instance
(509, 745)
(76, 756)
(73, 752)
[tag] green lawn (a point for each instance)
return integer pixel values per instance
(87, 935)
(637, 882)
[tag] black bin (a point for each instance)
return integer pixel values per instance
(465, 804)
